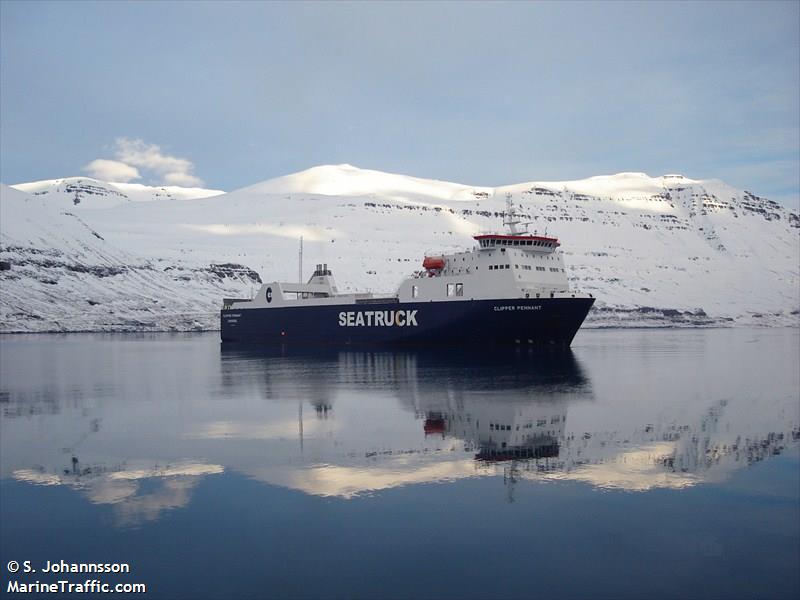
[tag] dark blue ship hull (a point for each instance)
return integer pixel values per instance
(519, 321)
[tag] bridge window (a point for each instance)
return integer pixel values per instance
(451, 289)
(459, 289)
(414, 291)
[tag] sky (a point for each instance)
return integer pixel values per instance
(225, 95)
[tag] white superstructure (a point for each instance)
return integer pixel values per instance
(501, 266)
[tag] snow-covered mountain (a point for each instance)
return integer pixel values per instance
(93, 193)
(65, 276)
(654, 250)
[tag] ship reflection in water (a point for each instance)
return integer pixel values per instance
(142, 435)
(389, 419)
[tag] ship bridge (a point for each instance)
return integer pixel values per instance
(523, 242)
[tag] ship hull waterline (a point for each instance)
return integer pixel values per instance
(539, 321)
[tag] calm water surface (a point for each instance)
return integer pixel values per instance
(655, 464)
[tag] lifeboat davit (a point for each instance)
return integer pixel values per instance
(433, 262)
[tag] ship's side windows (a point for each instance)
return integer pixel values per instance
(414, 291)
(451, 289)
(459, 289)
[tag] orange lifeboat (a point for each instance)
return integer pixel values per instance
(433, 262)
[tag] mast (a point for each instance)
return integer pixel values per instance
(300, 269)
(511, 220)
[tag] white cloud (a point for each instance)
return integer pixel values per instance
(149, 156)
(182, 179)
(135, 154)
(112, 170)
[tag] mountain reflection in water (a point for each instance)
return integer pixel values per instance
(138, 424)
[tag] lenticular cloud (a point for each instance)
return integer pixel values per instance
(112, 170)
(135, 154)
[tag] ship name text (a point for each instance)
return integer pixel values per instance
(378, 318)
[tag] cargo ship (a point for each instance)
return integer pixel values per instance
(510, 288)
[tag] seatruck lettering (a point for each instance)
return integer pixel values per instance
(378, 318)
